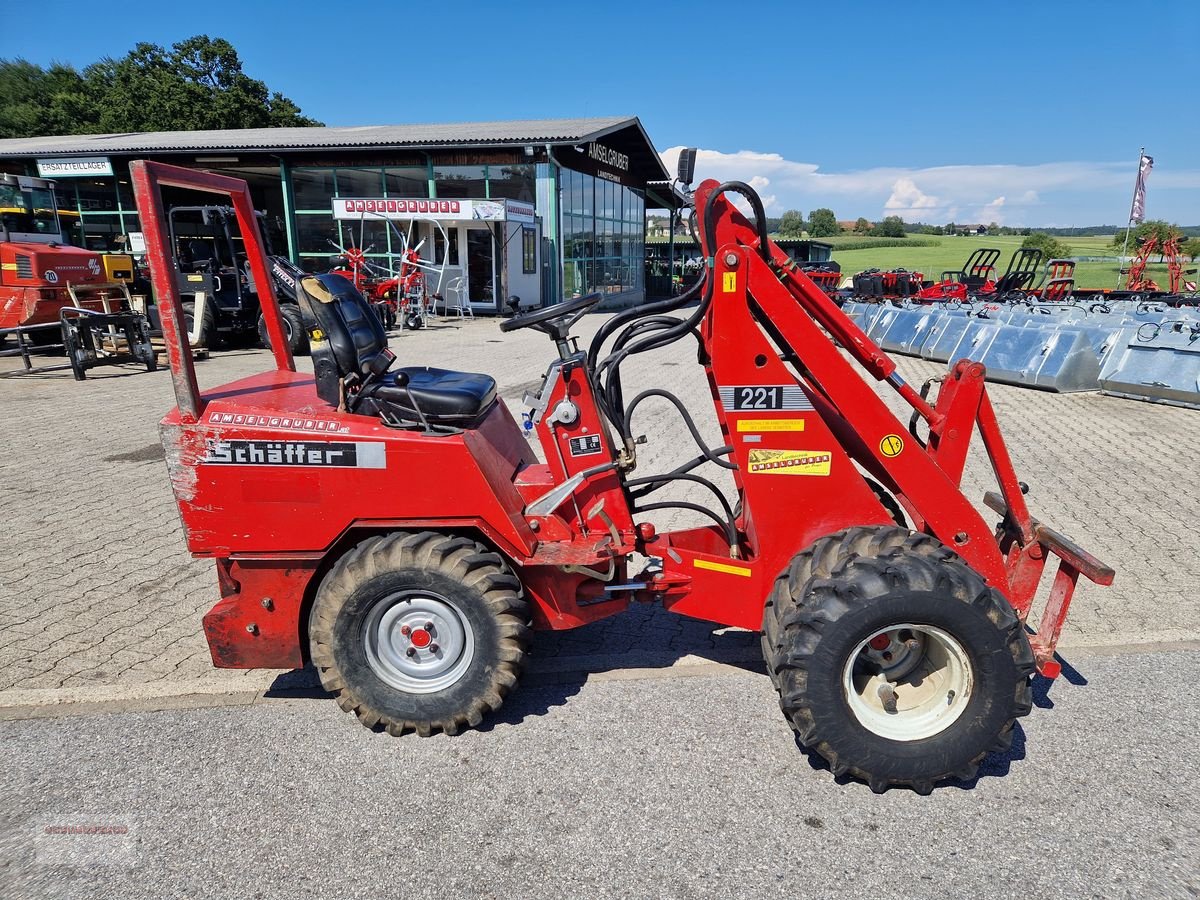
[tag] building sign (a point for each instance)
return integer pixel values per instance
(75, 167)
(500, 210)
(599, 160)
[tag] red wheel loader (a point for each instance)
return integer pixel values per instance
(40, 273)
(892, 612)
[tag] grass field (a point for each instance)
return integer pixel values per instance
(950, 252)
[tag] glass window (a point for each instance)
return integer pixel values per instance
(515, 182)
(100, 232)
(312, 188)
(460, 181)
(528, 251)
(407, 182)
(368, 236)
(439, 244)
(314, 233)
(359, 183)
(97, 195)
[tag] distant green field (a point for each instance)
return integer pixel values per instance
(950, 252)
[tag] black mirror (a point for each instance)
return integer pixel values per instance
(687, 165)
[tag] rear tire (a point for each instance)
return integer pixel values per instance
(958, 661)
(452, 603)
(293, 324)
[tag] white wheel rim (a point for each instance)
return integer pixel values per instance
(914, 686)
(417, 642)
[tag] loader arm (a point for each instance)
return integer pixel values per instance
(924, 473)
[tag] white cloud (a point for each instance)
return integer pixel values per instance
(908, 197)
(1038, 194)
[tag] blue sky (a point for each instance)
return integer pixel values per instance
(1023, 113)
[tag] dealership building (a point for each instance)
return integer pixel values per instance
(541, 209)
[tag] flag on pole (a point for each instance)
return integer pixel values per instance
(1137, 214)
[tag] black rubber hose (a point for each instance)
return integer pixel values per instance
(659, 481)
(709, 454)
(730, 533)
(638, 312)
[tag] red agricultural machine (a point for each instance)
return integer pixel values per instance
(1136, 279)
(892, 613)
(40, 273)
(402, 296)
(978, 276)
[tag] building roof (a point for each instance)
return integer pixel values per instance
(529, 131)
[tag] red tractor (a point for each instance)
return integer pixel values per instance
(892, 612)
(40, 273)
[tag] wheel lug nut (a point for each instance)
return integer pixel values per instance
(405, 630)
(433, 648)
(429, 627)
(914, 645)
(411, 651)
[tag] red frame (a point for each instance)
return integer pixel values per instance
(274, 531)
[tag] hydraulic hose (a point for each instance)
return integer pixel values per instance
(709, 454)
(730, 533)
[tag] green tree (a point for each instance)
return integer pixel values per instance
(823, 223)
(862, 225)
(196, 84)
(791, 224)
(36, 101)
(892, 226)
(1156, 228)
(1191, 248)
(1051, 247)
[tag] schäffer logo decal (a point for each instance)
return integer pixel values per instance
(325, 454)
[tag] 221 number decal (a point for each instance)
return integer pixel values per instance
(758, 397)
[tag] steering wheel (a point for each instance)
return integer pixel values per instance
(555, 320)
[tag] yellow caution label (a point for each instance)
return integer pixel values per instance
(791, 462)
(729, 282)
(195, 278)
(770, 425)
(722, 567)
(9, 267)
(892, 445)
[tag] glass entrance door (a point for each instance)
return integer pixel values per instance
(481, 267)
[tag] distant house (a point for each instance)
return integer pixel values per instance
(970, 229)
(847, 224)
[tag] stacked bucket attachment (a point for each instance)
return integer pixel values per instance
(1125, 347)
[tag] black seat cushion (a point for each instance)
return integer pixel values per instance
(352, 338)
(442, 395)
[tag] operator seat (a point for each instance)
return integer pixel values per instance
(352, 351)
(201, 253)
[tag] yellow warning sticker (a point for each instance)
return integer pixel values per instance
(791, 462)
(722, 567)
(729, 282)
(892, 445)
(770, 425)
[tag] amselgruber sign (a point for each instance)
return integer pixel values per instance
(75, 167)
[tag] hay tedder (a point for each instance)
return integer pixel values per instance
(893, 615)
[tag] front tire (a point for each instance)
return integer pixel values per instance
(208, 326)
(419, 632)
(898, 665)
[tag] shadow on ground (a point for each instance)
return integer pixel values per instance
(560, 663)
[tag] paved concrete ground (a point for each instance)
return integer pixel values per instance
(97, 591)
(663, 787)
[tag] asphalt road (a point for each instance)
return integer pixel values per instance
(672, 784)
